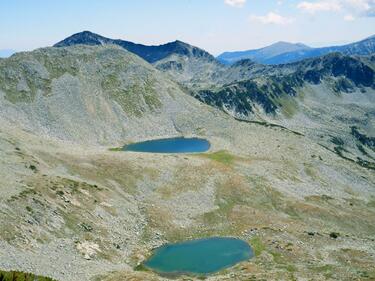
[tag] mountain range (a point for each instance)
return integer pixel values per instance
(245, 90)
(290, 169)
(283, 52)
(150, 54)
(259, 92)
(278, 53)
(262, 55)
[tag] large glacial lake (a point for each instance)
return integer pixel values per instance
(199, 257)
(171, 145)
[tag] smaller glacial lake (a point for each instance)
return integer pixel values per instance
(171, 145)
(199, 257)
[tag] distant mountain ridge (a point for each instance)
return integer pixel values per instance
(263, 54)
(282, 52)
(151, 54)
(196, 68)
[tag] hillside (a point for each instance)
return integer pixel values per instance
(329, 98)
(289, 169)
(90, 94)
(183, 62)
(150, 54)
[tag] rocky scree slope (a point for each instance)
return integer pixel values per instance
(269, 84)
(92, 94)
(150, 54)
(329, 98)
(184, 63)
(77, 212)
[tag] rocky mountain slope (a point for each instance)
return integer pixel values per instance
(291, 173)
(326, 98)
(281, 53)
(183, 62)
(91, 94)
(149, 53)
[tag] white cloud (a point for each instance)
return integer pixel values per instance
(358, 7)
(362, 7)
(235, 3)
(349, 18)
(271, 18)
(313, 7)
(360, 4)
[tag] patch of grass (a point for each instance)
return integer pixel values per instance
(326, 270)
(277, 257)
(134, 98)
(309, 170)
(221, 156)
(289, 106)
(257, 245)
(21, 276)
(291, 268)
(28, 71)
(141, 267)
(116, 149)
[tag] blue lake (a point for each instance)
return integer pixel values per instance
(199, 257)
(171, 145)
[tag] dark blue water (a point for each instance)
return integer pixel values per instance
(199, 257)
(172, 145)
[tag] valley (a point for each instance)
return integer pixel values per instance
(287, 163)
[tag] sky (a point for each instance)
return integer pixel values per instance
(214, 25)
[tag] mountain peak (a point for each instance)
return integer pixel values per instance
(84, 37)
(288, 44)
(149, 53)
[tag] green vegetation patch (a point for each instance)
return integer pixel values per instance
(21, 276)
(21, 78)
(221, 156)
(134, 99)
(116, 149)
(257, 245)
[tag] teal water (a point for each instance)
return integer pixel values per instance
(172, 145)
(199, 257)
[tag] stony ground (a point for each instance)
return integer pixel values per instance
(76, 212)
(72, 209)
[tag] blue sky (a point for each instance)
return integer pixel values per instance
(215, 25)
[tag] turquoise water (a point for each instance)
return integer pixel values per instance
(172, 145)
(199, 257)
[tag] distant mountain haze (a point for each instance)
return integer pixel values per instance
(262, 54)
(283, 52)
